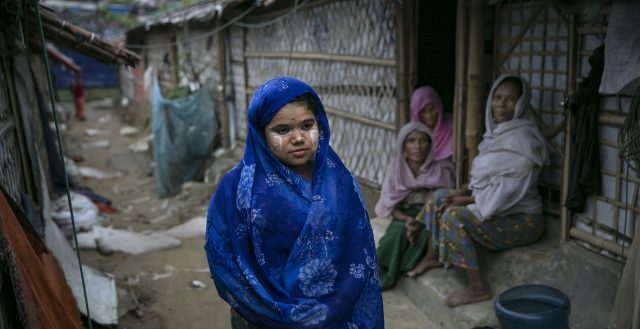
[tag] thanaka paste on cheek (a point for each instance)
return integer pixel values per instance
(313, 133)
(276, 142)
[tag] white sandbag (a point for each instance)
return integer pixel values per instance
(85, 213)
(110, 240)
(128, 130)
(75, 178)
(195, 227)
(97, 173)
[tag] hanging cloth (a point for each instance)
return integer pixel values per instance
(584, 161)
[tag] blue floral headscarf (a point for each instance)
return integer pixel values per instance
(285, 252)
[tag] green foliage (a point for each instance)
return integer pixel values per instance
(175, 93)
(126, 21)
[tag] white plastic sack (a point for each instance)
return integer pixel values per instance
(108, 240)
(85, 213)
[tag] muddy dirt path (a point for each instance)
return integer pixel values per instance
(158, 289)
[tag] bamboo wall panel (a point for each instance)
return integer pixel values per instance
(532, 40)
(613, 215)
(10, 168)
(345, 50)
(198, 53)
(157, 56)
(238, 76)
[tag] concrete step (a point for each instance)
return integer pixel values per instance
(401, 313)
(579, 273)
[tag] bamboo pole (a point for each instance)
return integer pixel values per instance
(630, 178)
(412, 28)
(565, 214)
(222, 67)
(611, 119)
(475, 78)
(69, 40)
(175, 62)
(75, 37)
(616, 203)
(460, 91)
(598, 242)
(359, 118)
(245, 70)
(403, 25)
(323, 57)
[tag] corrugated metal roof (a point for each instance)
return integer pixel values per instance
(199, 13)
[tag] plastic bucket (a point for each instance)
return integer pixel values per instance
(533, 306)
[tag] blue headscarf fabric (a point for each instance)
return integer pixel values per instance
(285, 252)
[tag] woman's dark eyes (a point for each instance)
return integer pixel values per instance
(282, 131)
(307, 126)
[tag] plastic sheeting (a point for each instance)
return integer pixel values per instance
(622, 49)
(183, 133)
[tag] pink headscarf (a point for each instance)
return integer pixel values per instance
(443, 131)
(399, 181)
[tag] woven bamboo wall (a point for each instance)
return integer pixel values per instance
(345, 50)
(198, 52)
(156, 55)
(532, 40)
(612, 216)
(237, 35)
(10, 168)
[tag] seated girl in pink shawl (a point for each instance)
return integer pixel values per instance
(411, 177)
(427, 107)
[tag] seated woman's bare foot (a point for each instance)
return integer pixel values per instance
(467, 296)
(424, 265)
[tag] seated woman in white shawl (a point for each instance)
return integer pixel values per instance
(500, 207)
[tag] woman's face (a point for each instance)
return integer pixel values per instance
(503, 103)
(416, 147)
(429, 115)
(292, 135)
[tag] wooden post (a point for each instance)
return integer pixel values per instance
(404, 25)
(245, 69)
(222, 88)
(460, 90)
(175, 62)
(475, 78)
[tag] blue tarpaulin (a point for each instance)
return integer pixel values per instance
(95, 74)
(183, 133)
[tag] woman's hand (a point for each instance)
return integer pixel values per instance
(399, 215)
(455, 198)
(461, 200)
(413, 228)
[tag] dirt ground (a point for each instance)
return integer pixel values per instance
(157, 289)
